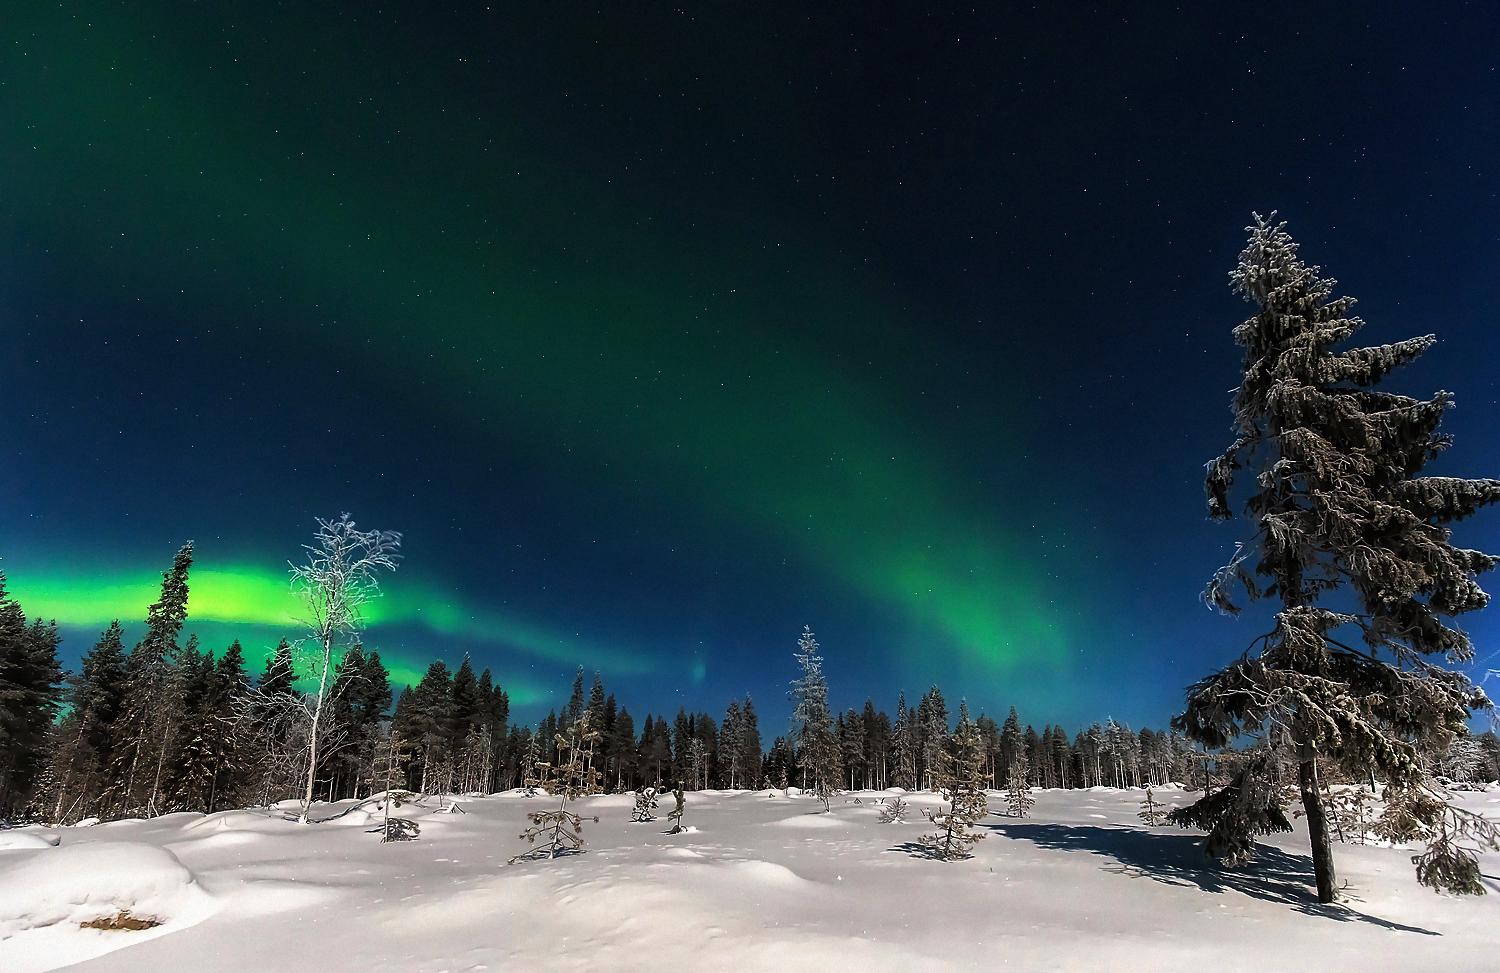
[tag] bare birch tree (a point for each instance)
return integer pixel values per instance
(339, 578)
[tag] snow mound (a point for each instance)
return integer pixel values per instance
(358, 817)
(26, 840)
(81, 883)
(615, 800)
(816, 819)
(226, 821)
(755, 872)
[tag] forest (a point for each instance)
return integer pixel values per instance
(164, 726)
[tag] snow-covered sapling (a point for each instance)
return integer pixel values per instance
(396, 829)
(570, 778)
(1233, 815)
(960, 779)
(894, 812)
(645, 805)
(1018, 799)
(1153, 812)
(675, 815)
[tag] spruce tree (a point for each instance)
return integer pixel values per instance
(94, 697)
(1340, 514)
(904, 747)
(149, 710)
(812, 723)
(749, 744)
(432, 724)
(30, 691)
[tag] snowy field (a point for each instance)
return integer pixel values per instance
(757, 883)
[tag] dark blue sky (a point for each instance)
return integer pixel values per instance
(664, 332)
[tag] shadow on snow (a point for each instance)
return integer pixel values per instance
(1173, 859)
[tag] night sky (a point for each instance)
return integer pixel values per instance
(661, 332)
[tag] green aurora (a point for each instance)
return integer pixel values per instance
(524, 321)
(229, 600)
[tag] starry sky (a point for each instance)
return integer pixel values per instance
(662, 331)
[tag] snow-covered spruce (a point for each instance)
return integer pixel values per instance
(812, 723)
(1336, 502)
(1018, 799)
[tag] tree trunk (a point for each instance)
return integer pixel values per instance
(1317, 828)
(312, 756)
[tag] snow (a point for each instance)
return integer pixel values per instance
(45, 896)
(753, 884)
(18, 839)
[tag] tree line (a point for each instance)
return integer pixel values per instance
(168, 725)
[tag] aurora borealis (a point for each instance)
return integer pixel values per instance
(662, 333)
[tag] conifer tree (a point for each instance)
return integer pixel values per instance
(1011, 744)
(1337, 506)
(431, 726)
(1018, 799)
(904, 746)
(575, 701)
(94, 698)
(748, 743)
(144, 730)
(960, 778)
(812, 723)
(622, 749)
(30, 691)
(675, 815)
(570, 778)
(1152, 812)
(645, 804)
(730, 729)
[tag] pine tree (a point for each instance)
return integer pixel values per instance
(1018, 799)
(645, 805)
(1011, 744)
(273, 729)
(468, 745)
(932, 732)
(622, 751)
(731, 729)
(567, 780)
(675, 815)
(1337, 503)
(575, 701)
(904, 746)
(94, 699)
(960, 778)
(749, 744)
(145, 728)
(1152, 811)
(432, 723)
(812, 723)
(30, 691)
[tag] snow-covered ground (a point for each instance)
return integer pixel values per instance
(757, 883)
